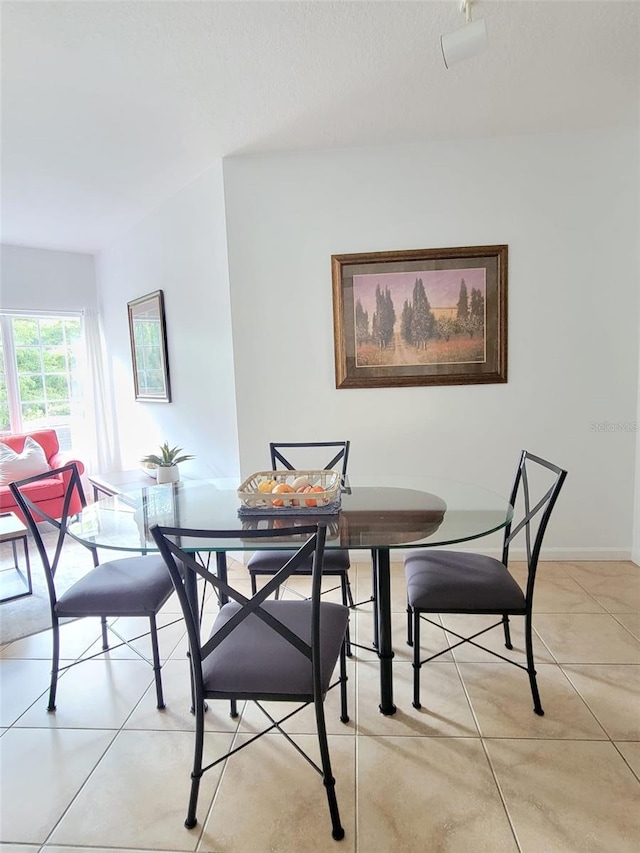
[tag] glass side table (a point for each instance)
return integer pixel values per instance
(14, 582)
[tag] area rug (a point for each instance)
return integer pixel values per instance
(31, 614)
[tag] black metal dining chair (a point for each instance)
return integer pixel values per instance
(130, 586)
(259, 649)
(336, 562)
(440, 581)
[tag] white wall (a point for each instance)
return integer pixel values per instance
(635, 556)
(636, 512)
(44, 280)
(180, 249)
(565, 205)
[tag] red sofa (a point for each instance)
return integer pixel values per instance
(48, 493)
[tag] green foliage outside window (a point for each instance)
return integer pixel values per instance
(28, 360)
(54, 360)
(51, 332)
(33, 412)
(57, 387)
(25, 332)
(31, 388)
(45, 370)
(58, 409)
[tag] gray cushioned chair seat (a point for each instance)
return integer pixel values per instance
(255, 659)
(119, 587)
(452, 581)
(270, 562)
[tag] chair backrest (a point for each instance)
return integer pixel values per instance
(306, 450)
(180, 562)
(73, 493)
(535, 490)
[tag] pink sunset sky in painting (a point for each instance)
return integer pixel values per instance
(441, 286)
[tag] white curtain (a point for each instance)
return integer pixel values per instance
(104, 454)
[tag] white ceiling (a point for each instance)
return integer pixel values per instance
(110, 107)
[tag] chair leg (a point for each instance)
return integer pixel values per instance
(157, 666)
(234, 708)
(55, 663)
(374, 589)
(528, 635)
(105, 636)
(254, 586)
(507, 631)
(327, 776)
(416, 660)
(349, 602)
(409, 625)
(196, 774)
(344, 711)
(346, 595)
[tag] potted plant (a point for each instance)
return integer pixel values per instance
(166, 463)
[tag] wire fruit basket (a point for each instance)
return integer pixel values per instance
(308, 492)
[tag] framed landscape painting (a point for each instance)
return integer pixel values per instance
(420, 317)
(148, 333)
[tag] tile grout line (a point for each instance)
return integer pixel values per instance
(584, 701)
(116, 732)
(636, 773)
(626, 628)
(486, 754)
(501, 794)
(223, 772)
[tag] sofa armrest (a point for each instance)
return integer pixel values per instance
(59, 460)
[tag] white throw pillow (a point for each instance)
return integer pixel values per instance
(18, 466)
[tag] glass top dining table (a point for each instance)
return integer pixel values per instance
(376, 514)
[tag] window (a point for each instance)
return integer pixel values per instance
(42, 365)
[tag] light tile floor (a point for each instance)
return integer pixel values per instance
(474, 770)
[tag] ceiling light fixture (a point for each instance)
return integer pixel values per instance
(465, 42)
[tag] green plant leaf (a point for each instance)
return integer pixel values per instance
(168, 457)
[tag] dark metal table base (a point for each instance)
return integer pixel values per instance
(382, 575)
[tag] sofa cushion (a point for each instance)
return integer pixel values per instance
(45, 490)
(18, 466)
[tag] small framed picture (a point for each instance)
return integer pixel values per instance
(148, 334)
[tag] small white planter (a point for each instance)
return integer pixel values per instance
(168, 474)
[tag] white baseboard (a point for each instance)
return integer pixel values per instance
(519, 554)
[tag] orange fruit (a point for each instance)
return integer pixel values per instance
(281, 488)
(313, 501)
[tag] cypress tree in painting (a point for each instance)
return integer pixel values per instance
(475, 323)
(422, 321)
(463, 302)
(405, 321)
(384, 318)
(362, 323)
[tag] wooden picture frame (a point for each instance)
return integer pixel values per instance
(148, 334)
(420, 317)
